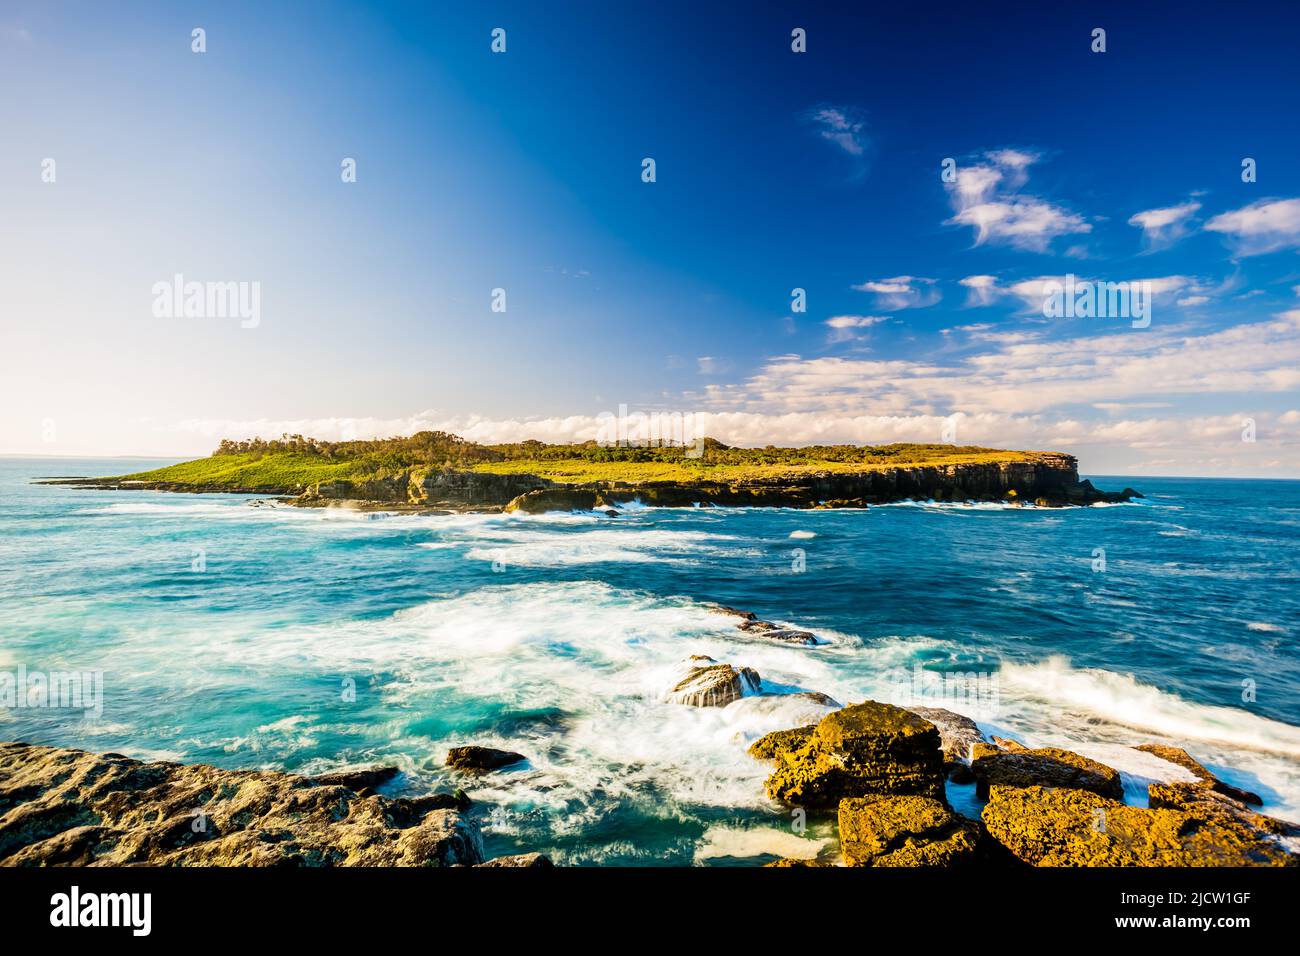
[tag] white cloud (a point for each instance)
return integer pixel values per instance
(842, 126)
(1206, 442)
(1031, 372)
(986, 196)
(983, 289)
(1264, 226)
(901, 292)
(842, 326)
(1164, 226)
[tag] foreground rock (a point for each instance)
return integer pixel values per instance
(1209, 781)
(69, 807)
(703, 682)
(1043, 766)
(1072, 827)
(1204, 804)
(906, 831)
(864, 749)
(533, 861)
(481, 759)
(769, 745)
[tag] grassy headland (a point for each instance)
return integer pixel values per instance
(294, 462)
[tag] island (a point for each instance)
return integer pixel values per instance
(431, 471)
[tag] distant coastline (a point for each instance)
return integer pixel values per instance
(437, 471)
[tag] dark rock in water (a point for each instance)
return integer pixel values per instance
(366, 779)
(958, 772)
(863, 749)
(1182, 758)
(958, 734)
(539, 722)
(775, 632)
(481, 759)
(1047, 767)
(735, 612)
(1070, 827)
(751, 624)
(530, 860)
(703, 682)
(69, 807)
(610, 513)
(559, 498)
(769, 745)
(905, 831)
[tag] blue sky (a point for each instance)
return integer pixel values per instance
(775, 171)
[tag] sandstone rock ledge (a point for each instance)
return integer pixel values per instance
(69, 807)
(882, 768)
(861, 750)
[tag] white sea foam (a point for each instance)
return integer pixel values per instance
(1121, 699)
(741, 843)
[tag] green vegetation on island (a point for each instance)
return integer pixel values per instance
(296, 462)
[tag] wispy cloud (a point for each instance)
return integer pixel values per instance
(844, 328)
(901, 292)
(982, 289)
(1030, 371)
(1163, 227)
(843, 126)
(1264, 226)
(988, 197)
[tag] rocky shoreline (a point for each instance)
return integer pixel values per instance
(877, 770)
(61, 807)
(1045, 479)
(881, 769)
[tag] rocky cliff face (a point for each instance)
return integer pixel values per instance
(421, 486)
(1046, 479)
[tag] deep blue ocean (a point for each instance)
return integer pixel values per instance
(309, 640)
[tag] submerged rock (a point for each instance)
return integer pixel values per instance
(1182, 758)
(69, 807)
(905, 831)
(366, 779)
(1044, 766)
(703, 682)
(863, 749)
(1071, 827)
(775, 632)
(481, 759)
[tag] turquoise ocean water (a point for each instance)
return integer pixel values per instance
(308, 640)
